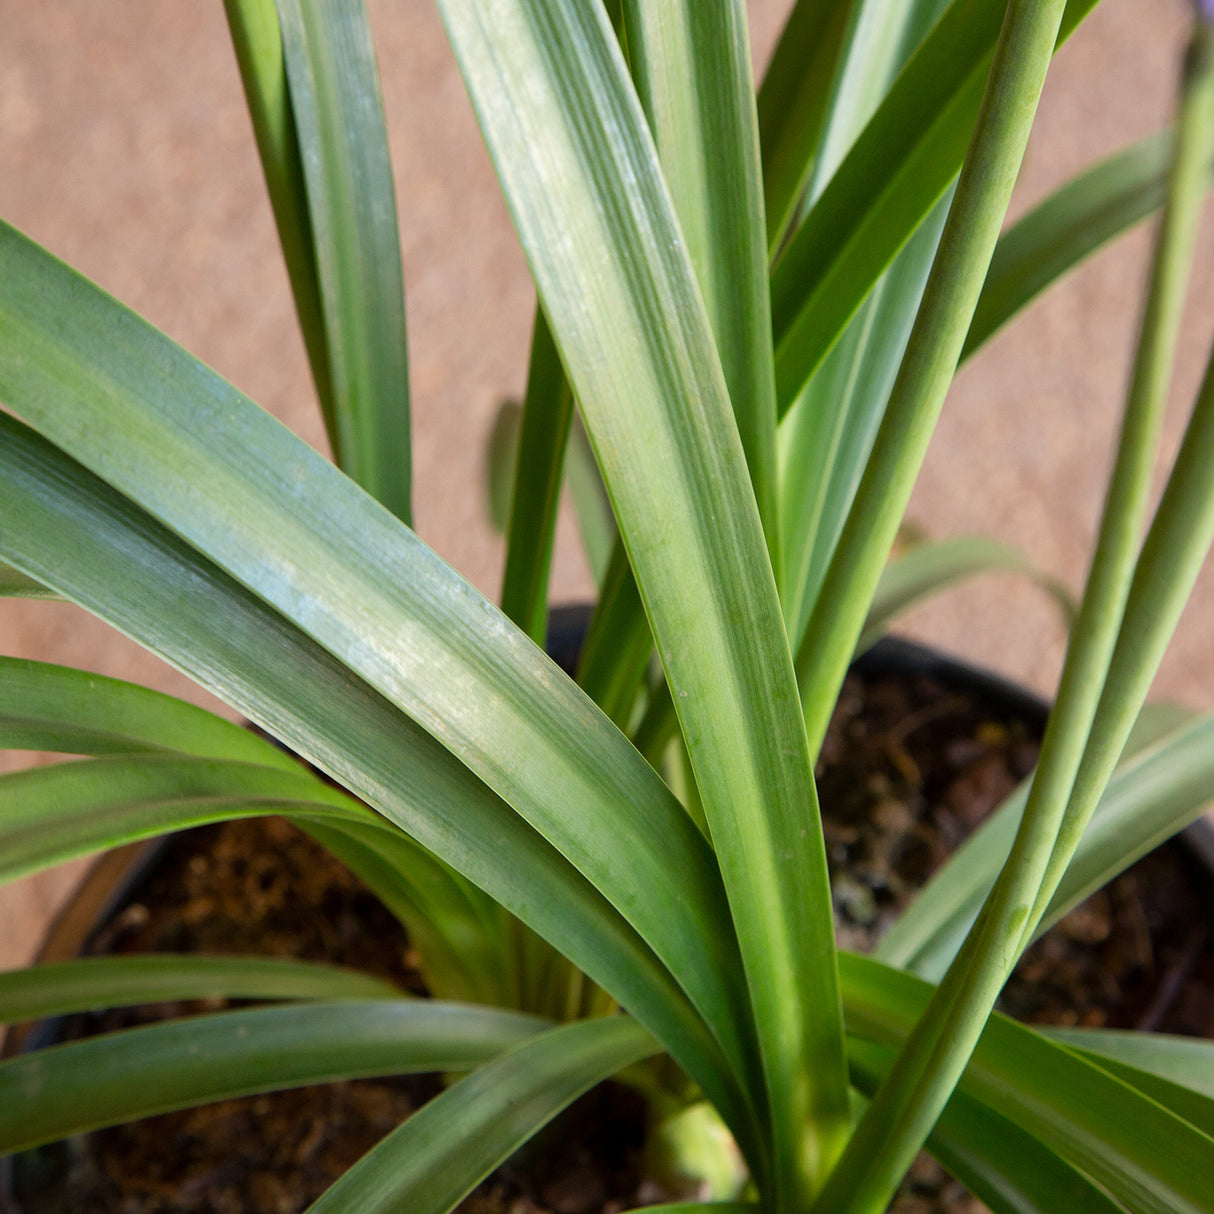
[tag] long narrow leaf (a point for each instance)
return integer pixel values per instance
(792, 105)
(881, 37)
(574, 156)
(1004, 1166)
(63, 523)
(926, 569)
(455, 926)
(442, 1152)
(101, 982)
(307, 541)
(181, 1063)
(618, 642)
(590, 502)
(540, 456)
(458, 931)
(56, 708)
(56, 813)
(1178, 1072)
(257, 40)
(913, 147)
(1185, 1061)
(691, 65)
(828, 435)
(829, 429)
(1146, 1157)
(343, 147)
(1155, 793)
(1069, 225)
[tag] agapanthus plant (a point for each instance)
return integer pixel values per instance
(755, 305)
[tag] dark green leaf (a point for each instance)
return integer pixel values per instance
(442, 1152)
(542, 439)
(181, 1063)
(351, 199)
(61, 521)
(912, 148)
(100, 982)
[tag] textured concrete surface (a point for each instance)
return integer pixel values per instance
(124, 147)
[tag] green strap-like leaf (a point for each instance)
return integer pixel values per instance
(540, 456)
(999, 1163)
(1178, 1072)
(181, 1063)
(792, 105)
(257, 40)
(829, 431)
(826, 438)
(56, 708)
(456, 927)
(880, 38)
(443, 1151)
(900, 1118)
(56, 813)
(579, 171)
(1158, 790)
(1146, 1157)
(343, 147)
(1067, 226)
(109, 390)
(63, 523)
(100, 982)
(691, 65)
(618, 642)
(926, 569)
(458, 931)
(912, 148)
(1185, 1061)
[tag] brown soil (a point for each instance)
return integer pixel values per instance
(908, 769)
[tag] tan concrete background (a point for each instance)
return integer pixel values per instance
(125, 148)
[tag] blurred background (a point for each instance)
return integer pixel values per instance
(125, 148)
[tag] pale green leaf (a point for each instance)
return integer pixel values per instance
(925, 569)
(56, 708)
(911, 150)
(573, 153)
(257, 40)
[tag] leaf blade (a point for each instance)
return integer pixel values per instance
(62, 522)
(93, 983)
(914, 146)
(182, 1063)
(351, 199)
(443, 1151)
(573, 155)
(1145, 1156)
(279, 519)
